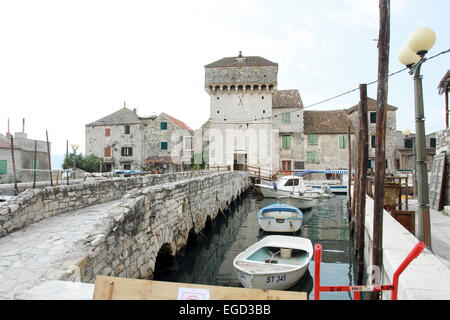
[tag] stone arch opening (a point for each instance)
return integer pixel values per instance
(225, 88)
(248, 87)
(165, 263)
(255, 87)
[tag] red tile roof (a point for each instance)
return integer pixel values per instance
(179, 123)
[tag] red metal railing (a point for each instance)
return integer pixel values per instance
(415, 252)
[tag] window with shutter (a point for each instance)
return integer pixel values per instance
(286, 142)
(312, 139)
(107, 132)
(107, 152)
(3, 166)
(163, 125)
(316, 157)
(286, 117)
(163, 145)
(342, 142)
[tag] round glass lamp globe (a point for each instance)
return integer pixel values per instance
(422, 40)
(406, 132)
(407, 57)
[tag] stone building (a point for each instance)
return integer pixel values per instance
(168, 144)
(405, 151)
(124, 140)
(23, 158)
(391, 127)
(252, 123)
(326, 139)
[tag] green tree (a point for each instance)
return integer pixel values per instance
(90, 163)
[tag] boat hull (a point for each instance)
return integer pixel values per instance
(279, 224)
(299, 202)
(266, 275)
(270, 192)
(270, 281)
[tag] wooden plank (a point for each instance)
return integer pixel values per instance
(112, 288)
(437, 181)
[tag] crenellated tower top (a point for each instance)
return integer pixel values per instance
(245, 74)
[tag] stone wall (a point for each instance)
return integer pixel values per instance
(33, 205)
(128, 241)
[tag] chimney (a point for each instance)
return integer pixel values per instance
(23, 125)
(134, 111)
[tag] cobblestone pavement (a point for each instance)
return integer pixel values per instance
(42, 251)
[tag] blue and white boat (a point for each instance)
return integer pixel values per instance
(280, 217)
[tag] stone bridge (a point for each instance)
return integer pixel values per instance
(113, 227)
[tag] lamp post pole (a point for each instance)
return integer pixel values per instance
(413, 56)
(424, 232)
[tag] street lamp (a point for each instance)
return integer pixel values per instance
(412, 55)
(74, 147)
(406, 132)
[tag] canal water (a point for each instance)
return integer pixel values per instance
(208, 259)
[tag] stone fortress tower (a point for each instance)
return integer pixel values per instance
(240, 133)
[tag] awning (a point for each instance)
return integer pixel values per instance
(305, 172)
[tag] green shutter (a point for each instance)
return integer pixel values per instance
(316, 157)
(286, 117)
(164, 145)
(286, 142)
(342, 142)
(312, 138)
(163, 125)
(37, 167)
(3, 166)
(309, 157)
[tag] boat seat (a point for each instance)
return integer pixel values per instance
(254, 266)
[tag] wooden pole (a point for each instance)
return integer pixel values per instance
(362, 181)
(67, 156)
(349, 194)
(14, 165)
(34, 164)
(446, 108)
(380, 153)
(49, 159)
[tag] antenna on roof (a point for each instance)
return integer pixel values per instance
(124, 105)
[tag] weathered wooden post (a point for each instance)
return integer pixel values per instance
(380, 153)
(14, 165)
(49, 159)
(362, 182)
(349, 194)
(34, 164)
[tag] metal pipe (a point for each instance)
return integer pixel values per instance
(317, 260)
(418, 248)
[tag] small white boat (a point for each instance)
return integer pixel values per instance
(285, 186)
(301, 202)
(336, 180)
(279, 217)
(274, 263)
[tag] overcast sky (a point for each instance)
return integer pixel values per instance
(64, 64)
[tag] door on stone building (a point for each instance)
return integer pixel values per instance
(240, 162)
(286, 167)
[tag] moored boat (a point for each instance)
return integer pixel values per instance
(275, 262)
(301, 202)
(279, 217)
